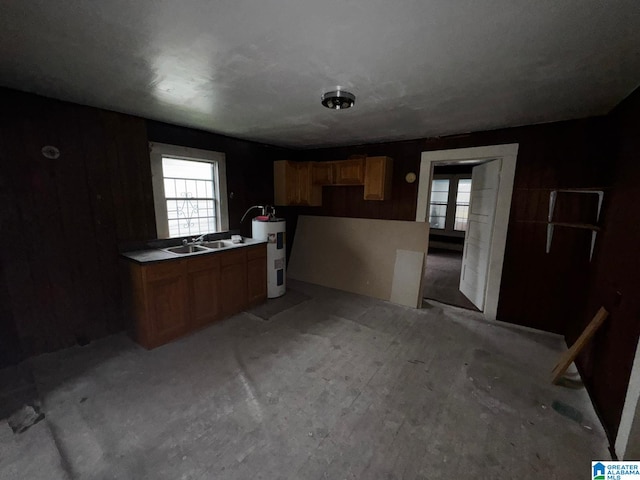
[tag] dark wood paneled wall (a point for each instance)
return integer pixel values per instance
(62, 219)
(65, 221)
(615, 281)
(538, 290)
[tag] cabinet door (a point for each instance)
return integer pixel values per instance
(303, 183)
(203, 290)
(257, 275)
(322, 173)
(292, 183)
(285, 183)
(233, 281)
(166, 308)
(349, 172)
(280, 169)
(377, 178)
(307, 193)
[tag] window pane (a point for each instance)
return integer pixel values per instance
(462, 215)
(464, 185)
(189, 193)
(175, 168)
(190, 226)
(169, 187)
(172, 209)
(438, 205)
(462, 204)
(463, 198)
(437, 216)
(439, 186)
(183, 208)
(181, 188)
(438, 210)
(174, 228)
(439, 197)
(201, 190)
(190, 189)
(437, 222)
(205, 225)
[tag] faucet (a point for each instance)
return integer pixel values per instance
(199, 239)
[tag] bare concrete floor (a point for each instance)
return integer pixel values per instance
(441, 280)
(339, 386)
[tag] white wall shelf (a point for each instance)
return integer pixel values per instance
(551, 224)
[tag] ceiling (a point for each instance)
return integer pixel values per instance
(256, 69)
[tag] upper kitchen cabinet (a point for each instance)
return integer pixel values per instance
(377, 178)
(322, 173)
(301, 183)
(293, 184)
(348, 172)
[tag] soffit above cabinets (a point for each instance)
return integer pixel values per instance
(256, 69)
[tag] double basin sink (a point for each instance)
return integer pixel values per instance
(200, 247)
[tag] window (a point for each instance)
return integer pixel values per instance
(449, 203)
(462, 204)
(438, 204)
(189, 190)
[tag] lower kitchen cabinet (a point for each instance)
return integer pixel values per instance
(256, 276)
(168, 299)
(203, 283)
(166, 303)
(233, 282)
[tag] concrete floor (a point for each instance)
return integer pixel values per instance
(441, 279)
(339, 386)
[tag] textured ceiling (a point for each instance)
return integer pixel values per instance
(255, 69)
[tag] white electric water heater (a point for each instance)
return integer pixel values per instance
(273, 230)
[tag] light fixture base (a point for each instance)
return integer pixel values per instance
(338, 99)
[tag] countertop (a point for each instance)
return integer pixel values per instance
(159, 255)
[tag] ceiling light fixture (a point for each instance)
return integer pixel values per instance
(338, 99)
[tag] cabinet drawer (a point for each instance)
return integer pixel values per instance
(166, 269)
(256, 252)
(203, 262)
(232, 258)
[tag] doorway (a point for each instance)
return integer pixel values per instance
(448, 218)
(493, 168)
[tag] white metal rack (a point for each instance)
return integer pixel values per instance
(551, 224)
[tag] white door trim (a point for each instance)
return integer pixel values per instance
(508, 153)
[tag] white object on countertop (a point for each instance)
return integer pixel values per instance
(273, 231)
(236, 238)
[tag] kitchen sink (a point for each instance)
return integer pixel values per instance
(185, 249)
(216, 244)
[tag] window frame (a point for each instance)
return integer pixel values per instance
(450, 220)
(156, 153)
